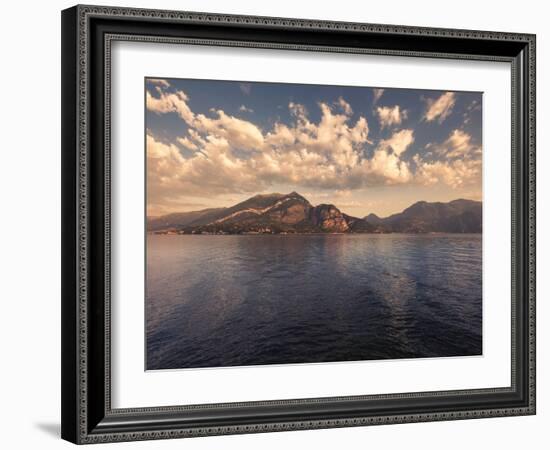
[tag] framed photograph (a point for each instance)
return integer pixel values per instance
(279, 224)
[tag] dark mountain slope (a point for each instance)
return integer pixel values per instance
(292, 213)
(178, 220)
(457, 216)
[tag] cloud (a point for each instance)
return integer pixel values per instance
(280, 136)
(440, 108)
(226, 155)
(389, 116)
(387, 169)
(243, 108)
(456, 174)
(459, 164)
(297, 110)
(399, 141)
(339, 193)
(346, 108)
(188, 143)
(158, 82)
(167, 103)
(458, 144)
(163, 153)
(377, 93)
(238, 132)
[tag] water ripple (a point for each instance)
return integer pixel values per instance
(242, 300)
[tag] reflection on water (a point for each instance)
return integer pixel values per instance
(245, 300)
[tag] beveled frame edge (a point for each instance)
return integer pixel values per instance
(77, 216)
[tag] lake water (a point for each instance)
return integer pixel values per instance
(273, 299)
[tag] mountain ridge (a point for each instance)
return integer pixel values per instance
(293, 214)
(456, 216)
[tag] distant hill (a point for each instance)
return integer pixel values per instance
(293, 213)
(178, 220)
(457, 216)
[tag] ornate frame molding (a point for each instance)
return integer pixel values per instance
(84, 421)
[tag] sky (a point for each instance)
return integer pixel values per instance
(212, 143)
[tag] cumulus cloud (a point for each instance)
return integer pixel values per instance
(399, 141)
(389, 116)
(460, 164)
(159, 82)
(281, 136)
(385, 169)
(456, 174)
(173, 102)
(188, 143)
(457, 145)
(440, 108)
(239, 133)
(163, 153)
(346, 107)
(228, 155)
(297, 110)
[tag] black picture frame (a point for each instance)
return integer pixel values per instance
(87, 33)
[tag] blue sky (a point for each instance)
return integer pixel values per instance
(213, 143)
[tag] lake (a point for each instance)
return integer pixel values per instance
(239, 300)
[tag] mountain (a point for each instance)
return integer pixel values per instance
(293, 213)
(373, 218)
(329, 218)
(178, 220)
(457, 216)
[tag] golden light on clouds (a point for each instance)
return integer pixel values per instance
(218, 155)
